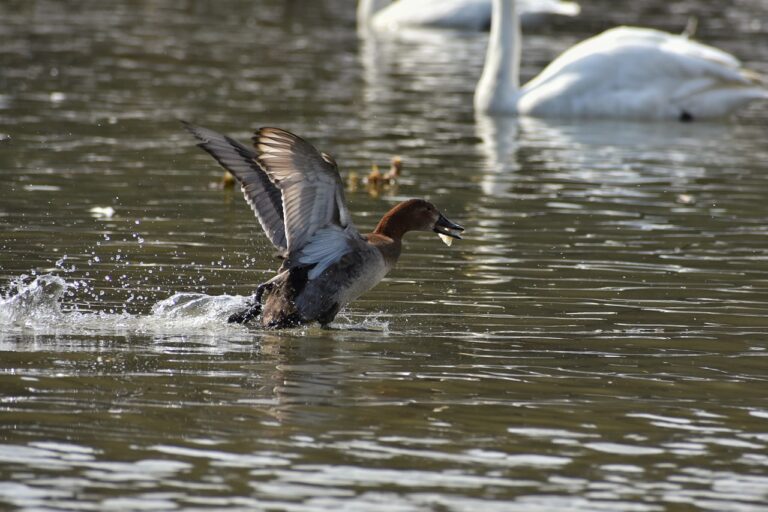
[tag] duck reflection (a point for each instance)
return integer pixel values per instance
(300, 379)
(304, 378)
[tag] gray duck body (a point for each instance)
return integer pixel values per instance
(293, 299)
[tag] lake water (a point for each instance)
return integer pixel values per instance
(597, 342)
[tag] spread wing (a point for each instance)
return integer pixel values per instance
(312, 191)
(264, 198)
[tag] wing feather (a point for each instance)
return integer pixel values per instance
(327, 246)
(264, 198)
(312, 191)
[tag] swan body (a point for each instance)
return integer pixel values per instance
(453, 14)
(623, 73)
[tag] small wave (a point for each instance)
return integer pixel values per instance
(370, 322)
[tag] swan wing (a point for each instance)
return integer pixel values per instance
(612, 49)
(638, 73)
(460, 14)
(312, 191)
(559, 7)
(466, 14)
(264, 198)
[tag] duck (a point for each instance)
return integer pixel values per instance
(623, 73)
(227, 180)
(395, 170)
(469, 15)
(297, 195)
(377, 182)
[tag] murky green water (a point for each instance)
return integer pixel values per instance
(598, 341)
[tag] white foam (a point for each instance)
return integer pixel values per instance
(38, 301)
(37, 306)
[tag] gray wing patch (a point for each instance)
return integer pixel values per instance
(264, 198)
(312, 191)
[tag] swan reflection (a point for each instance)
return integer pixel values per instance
(600, 153)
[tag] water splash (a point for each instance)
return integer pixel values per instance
(37, 305)
(198, 308)
(36, 302)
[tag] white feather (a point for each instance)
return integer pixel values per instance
(456, 14)
(625, 72)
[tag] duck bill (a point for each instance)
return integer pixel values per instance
(445, 227)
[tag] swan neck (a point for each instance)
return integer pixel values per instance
(500, 80)
(367, 8)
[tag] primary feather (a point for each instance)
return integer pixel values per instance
(264, 198)
(312, 190)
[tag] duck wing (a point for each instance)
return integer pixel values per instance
(312, 191)
(264, 198)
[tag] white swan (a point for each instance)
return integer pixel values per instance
(455, 14)
(623, 73)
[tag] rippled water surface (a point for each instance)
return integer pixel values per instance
(597, 342)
